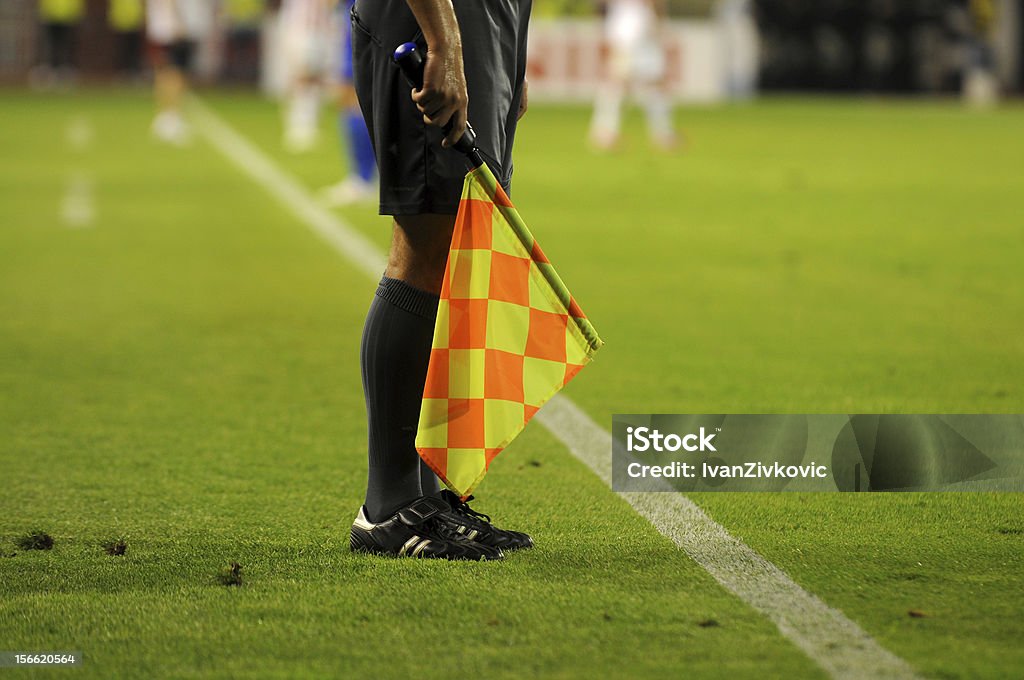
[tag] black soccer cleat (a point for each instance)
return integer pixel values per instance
(477, 526)
(421, 529)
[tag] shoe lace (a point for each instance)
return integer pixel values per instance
(446, 526)
(462, 507)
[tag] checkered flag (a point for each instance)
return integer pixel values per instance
(509, 335)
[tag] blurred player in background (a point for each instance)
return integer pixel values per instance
(738, 31)
(980, 84)
(636, 65)
(60, 19)
(126, 18)
(359, 186)
(173, 28)
(305, 28)
(242, 49)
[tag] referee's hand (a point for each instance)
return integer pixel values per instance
(443, 98)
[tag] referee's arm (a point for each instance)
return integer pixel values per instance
(443, 97)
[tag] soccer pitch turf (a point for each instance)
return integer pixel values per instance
(182, 373)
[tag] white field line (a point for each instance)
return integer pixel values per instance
(78, 206)
(251, 161)
(79, 133)
(833, 641)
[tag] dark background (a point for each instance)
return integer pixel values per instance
(885, 46)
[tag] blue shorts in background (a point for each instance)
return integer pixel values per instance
(345, 53)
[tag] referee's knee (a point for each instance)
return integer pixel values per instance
(419, 250)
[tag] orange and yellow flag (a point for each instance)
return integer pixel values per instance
(508, 337)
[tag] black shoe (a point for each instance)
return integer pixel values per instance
(477, 526)
(421, 529)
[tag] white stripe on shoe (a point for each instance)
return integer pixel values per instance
(413, 540)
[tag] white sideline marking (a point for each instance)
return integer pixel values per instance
(824, 634)
(79, 133)
(77, 207)
(358, 249)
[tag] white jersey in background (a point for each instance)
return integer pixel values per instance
(631, 28)
(163, 23)
(305, 15)
(630, 22)
(168, 21)
(304, 27)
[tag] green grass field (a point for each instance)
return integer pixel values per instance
(182, 374)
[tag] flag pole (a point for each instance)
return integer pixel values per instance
(410, 59)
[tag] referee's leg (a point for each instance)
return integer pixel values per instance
(421, 184)
(394, 356)
(419, 250)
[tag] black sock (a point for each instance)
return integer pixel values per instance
(394, 356)
(429, 483)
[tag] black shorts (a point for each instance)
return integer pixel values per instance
(178, 54)
(416, 175)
